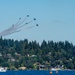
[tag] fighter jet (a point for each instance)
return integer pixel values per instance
(36, 24)
(27, 15)
(34, 18)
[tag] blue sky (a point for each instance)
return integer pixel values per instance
(56, 19)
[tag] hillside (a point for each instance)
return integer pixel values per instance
(31, 55)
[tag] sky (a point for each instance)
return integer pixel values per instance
(56, 19)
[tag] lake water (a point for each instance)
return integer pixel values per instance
(37, 72)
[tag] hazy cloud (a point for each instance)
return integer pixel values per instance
(58, 21)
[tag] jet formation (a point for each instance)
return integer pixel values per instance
(19, 26)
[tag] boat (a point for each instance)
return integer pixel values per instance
(55, 69)
(3, 69)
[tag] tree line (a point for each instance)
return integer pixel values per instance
(31, 54)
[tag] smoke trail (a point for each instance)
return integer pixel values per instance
(7, 30)
(11, 32)
(18, 21)
(24, 24)
(19, 24)
(30, 27)
(23, 20)
(17, 27)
